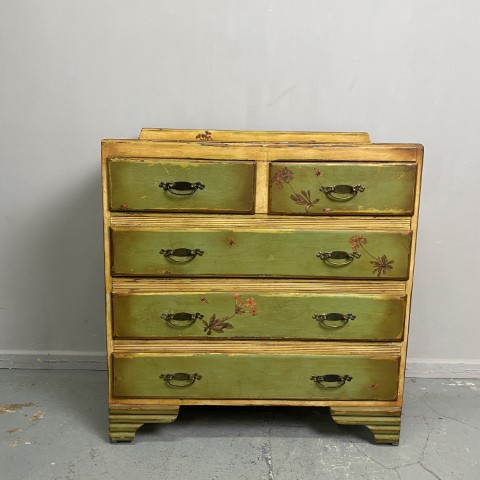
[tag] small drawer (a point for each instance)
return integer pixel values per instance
(259, 376)
(181, 185)
(320, 188)
(275, 253)
(250, 314)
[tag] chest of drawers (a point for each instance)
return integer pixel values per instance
(258, 268)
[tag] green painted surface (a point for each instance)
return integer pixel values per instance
(295, 188)
(256, 314)
(256, 376)
(267, 253)
(134, 185)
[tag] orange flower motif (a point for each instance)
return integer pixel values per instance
(245, 306)
(357, 241)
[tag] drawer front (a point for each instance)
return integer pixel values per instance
(319, 188)
(259, 315)
(267, 376)
(181, 185)
(196, 253)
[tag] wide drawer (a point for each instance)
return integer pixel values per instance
(181, 185)
(259, 315)
(282, 253)
(269, 376)
(319, 188)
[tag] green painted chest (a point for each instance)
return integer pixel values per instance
(258, 268)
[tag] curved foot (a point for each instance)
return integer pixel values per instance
(125, 420)
(383, 422)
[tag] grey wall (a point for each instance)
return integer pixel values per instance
(72, 73)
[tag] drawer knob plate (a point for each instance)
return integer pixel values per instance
(181, 319)
(181, 188)
(180, 380)
(186, 254)
(342, 193)
(338, 258)
(331, 380)
(339, 319)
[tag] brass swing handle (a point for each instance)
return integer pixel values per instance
(181, 319)
(331, 380)
(338, 258)
(342, 193)
(180, 380)
(182, 188)
(339, 320)
(186, 254)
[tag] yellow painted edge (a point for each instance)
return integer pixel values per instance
(262, 152)
(107, 269)
(409, 283)
(172, 134)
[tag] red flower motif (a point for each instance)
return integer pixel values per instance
(357, 241)
(248, 305)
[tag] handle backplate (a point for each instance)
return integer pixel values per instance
(181, 188)
(338, 258)
(185, 254)
(342, 193)
(180, 379)
(331, 380)
(333, 320)
(181, 319)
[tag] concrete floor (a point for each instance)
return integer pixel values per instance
(59, 432)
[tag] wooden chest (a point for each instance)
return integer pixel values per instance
(258, 268)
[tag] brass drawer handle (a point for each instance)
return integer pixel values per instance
(330, 258)
(187, 253)
(182, 188)
(335, 381)
(326, 318)
(180, 380)
(342, 193)
(185, 319)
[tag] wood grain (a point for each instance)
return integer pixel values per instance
(171, 347)
(171, 134)
(384, 423)
(126, 286)
(146, 221)
(262, 153)
(125, 420)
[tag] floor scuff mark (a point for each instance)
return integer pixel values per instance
(37, 416)
(15, 430)
(14, 407)
(267, 456)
